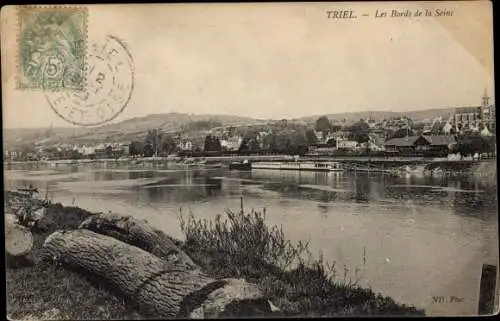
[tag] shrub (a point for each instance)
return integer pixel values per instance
(243, 238)
(244, 246)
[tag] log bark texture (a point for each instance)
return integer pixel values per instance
(158, 287)
(138, 233)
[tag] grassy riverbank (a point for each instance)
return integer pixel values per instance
(238, 245)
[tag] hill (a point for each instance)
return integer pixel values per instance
(377, 115)
(136, 128)
(128, 130)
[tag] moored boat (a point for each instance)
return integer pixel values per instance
(300, 166)
(241, 166)
(193, 163)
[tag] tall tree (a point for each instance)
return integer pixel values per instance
(108, 151)
(135, 148)
(250, 140)
(148, 150)
(294, 141)
(323, 125)
(168, 144)
(311, 137)
(244, 146)
(359, 131)
(154, 138)
(282, 142)
(217, 146)
(212, 144)
(207, 145)
(270, 142)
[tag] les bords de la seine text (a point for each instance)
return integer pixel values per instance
(392, 13)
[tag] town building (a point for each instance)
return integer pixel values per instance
(185, 145)
(375, 142)
(321, 150)
(435, 143)
(346, 144)
(380, 132)
(475, 117)
(231, 143)
(395, 123)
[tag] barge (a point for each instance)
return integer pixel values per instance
(300, 166)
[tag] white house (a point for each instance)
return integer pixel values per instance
(347, 144)
(185, 144)
(100, 146)
(87, 150)
(231, 143)
(319, 135)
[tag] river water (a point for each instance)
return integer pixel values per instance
(411, 238)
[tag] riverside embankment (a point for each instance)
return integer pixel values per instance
(386, 162)
(47, 285)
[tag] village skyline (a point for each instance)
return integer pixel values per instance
(56, 122)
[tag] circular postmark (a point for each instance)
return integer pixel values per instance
(109, 86)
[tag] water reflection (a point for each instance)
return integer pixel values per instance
(213, 187)
(362, 187)
(468, 196)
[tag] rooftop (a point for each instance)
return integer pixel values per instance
(467, 110)
(402, 141)
(435, 140)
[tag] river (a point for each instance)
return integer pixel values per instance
(410, 238)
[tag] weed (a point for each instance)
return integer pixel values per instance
(242, 245)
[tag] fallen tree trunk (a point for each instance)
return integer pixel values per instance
(138, 233)
(157, 287)
(18, 239)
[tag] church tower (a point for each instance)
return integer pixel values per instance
(486, 99)
(50, 131)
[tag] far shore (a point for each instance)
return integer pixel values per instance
(361, 158)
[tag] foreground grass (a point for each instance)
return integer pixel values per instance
(39, 290)
(242, 246)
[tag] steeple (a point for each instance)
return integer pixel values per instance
(486, 99)
(50, 131)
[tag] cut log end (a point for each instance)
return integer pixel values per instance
(234, 298)
(18, 239)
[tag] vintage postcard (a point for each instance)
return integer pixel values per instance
(249, 160)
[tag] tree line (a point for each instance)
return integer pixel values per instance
(286, 138)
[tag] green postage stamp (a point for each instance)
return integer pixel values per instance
(52, 46)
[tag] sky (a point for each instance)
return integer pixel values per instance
(280, 60)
